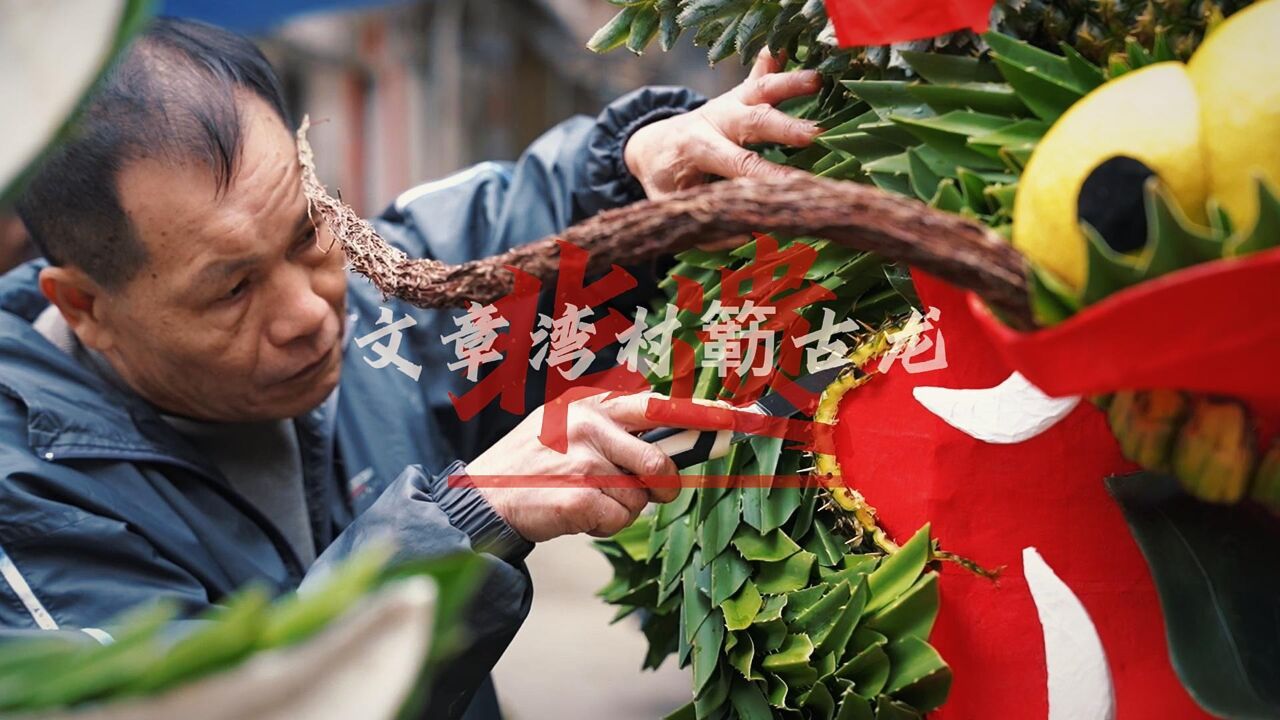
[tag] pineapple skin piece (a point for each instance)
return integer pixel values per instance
(1146, 423)
(1214, 456)
(1099, 29)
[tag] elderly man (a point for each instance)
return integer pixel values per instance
(176, 415)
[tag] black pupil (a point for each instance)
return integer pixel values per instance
(1113, 202)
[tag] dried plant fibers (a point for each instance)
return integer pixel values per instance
(900, 229)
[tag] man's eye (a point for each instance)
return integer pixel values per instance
(238, 290)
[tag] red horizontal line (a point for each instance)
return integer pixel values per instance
(604, 482)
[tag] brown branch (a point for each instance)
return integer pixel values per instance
(961, 251)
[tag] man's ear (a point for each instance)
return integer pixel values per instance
(81, 302)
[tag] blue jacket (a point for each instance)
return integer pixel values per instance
(104, 506)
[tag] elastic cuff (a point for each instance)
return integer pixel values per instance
(609, 179)
(468, 511)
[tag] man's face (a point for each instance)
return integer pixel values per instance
(238, 312)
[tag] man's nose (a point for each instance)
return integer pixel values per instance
(299, 312)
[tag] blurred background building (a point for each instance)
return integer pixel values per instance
(403, 92)
(400, 93)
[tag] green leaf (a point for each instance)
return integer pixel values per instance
(917, 674)
(778, 690)
(786, 576)
(778, 507)
(1088, 76)
(862, 146)
(661, 630)
(869, 669)
(229, 636)
(924, 181)
(741, 609)
(742, 656)
(1209, 566)
(699, 12)
(819, 703)
(696, 606)
(98, 669)
(828, 549)
(770, 635)
(772, 547)
(710, 703)
(753, 25)
(715, 533)
(836, 640)
(723, 47)
(821, 618)
(792, 657)
(772, 608)
(634, 539)
(615, 32)
(942, 69)
(749, 702)
(1107, 270)
(1046, 98)
(948, 197)
(643, 28)
(802, 519)
(889, 709)
(889, 98)
(678, 550)
(1174, 242)
(799, 601)
(728, 573)
(1024, 134)
(1044, 64)
(993, 98)
(899, 571)
(706, 651)
(854, 707)
(1266, 231)
(668, 26)
(913, 613)
(767, 451)
(1051, 300)
(949, 135)
(674, 510)
(851, 568)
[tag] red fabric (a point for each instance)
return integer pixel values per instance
(884, 22)
(1211, 328)
(988, 502)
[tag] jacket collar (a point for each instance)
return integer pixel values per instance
(71, 411)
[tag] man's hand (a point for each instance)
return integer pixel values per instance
(681, 151)
(600, 444)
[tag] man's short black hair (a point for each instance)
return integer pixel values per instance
(171, 96)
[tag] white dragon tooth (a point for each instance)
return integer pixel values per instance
(1079, 678)
(1011, 412)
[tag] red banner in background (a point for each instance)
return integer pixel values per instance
(884, 22)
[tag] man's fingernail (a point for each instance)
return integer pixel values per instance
(812, 77)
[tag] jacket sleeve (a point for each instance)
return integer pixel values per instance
(422, 516)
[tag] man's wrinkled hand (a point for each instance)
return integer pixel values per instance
(683, 151)
(600, 444)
